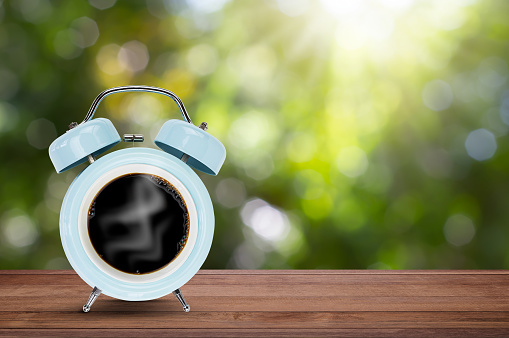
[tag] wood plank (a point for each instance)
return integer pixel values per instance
(291, 272)
(355, 272)
(250, 320)
(258, 332)
(297, 303)
(269, 303)
(274, 290)
(352, 279)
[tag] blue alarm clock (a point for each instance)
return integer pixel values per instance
(137, 224)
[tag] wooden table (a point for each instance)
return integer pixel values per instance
(267, 303)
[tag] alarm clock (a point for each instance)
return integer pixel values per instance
(137, 223)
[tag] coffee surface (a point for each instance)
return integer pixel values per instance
(138, 223)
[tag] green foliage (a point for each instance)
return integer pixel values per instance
(359, 134)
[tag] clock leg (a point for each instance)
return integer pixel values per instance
(181, 299)
(91, 299)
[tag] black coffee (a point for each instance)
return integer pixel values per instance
(138, 223)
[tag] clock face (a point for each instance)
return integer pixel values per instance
(150, 217)
(138, 223)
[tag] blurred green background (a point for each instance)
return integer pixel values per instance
(360, 134)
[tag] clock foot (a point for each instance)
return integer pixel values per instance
(91, 299)
(181, 299)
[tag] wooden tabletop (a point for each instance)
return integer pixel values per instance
(274, 303)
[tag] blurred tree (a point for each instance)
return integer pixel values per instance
(359, 134)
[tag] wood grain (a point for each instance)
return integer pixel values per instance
(271, 303)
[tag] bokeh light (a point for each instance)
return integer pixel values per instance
(267, 222)
(19, 231)
(481, 144)
(352, 161)
(437, 95)
(102, 4)
(459, 230)
(84, 32)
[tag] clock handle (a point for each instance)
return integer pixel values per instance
(146, 89)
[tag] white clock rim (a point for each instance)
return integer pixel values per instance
(83, 224)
